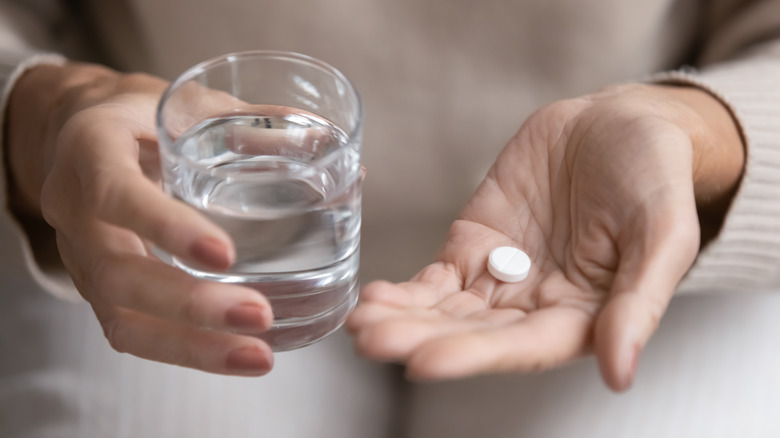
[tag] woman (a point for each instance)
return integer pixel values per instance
(444, 87)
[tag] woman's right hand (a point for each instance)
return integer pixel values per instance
(82, 154)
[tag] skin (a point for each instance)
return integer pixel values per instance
(83, 156)
(602, 193)
(609, 195)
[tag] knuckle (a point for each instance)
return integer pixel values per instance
(190, 308)
(114, 331)
(51, 193)
(101, 274)
(137, 81)
(74, 268)
(100, 85)
(373, 290)
(78, 127)
(137, 78)
(163, 226)
(655, 307)
(102, 191)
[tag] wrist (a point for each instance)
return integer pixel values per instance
(40, 102)
(718, 153)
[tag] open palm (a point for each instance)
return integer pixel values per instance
(599, 192)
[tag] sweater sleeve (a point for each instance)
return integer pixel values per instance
(741, 67)
(22, 41)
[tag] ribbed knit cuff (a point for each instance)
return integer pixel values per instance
(16, 255)
(746, 253)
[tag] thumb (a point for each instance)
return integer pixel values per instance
(651, 266)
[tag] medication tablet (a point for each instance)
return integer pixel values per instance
(509, 264)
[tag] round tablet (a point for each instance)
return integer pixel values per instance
(509, 264)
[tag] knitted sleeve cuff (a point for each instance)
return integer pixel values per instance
(16, 257)
(746, 253)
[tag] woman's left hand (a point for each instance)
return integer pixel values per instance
(601, 192)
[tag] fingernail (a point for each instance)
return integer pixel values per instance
(211, 252)
(249, 359)
(246, 316)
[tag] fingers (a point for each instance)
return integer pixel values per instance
(105, 211)
(395, 338)
(428, 287)
(148, 286)
(540, 341)
(114, 189)
(392, 334)
(132, 280)
(274, 141)
(623, 327)
(127, 199)
(393, 319)
(648, 273)
(211, 351)
(158, 312)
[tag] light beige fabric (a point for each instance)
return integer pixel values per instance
(445, 84)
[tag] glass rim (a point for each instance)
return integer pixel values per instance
(202, 66)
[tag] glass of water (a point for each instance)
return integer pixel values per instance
(267, 145)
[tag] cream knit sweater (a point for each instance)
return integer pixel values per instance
(445, 84)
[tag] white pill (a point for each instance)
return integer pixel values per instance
(509, 264)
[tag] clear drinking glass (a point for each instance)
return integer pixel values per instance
(267, 145)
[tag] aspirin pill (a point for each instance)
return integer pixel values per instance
(509, 264)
